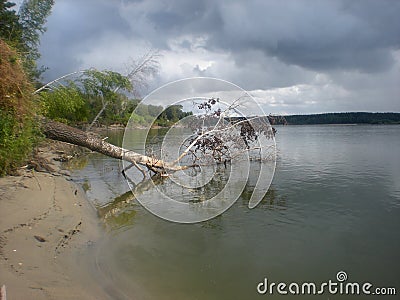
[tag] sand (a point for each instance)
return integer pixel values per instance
(47, 228)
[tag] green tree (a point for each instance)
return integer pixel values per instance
(104, 83)
(93, 95)
(172, 114)
(10, 28)
(154, 111)
(32, 18)
(101, 88)
(65, 104)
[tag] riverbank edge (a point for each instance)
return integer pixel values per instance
(47, 229)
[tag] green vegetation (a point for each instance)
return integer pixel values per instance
(144, 115)
(18, 133)
(10, 27)
(79, 101)
(65, 104)
(104, 93)
(344, 118)
(32, 17)
(171, 115)
(16, 142)
(101, 96)
(22, 31)
(19, 42)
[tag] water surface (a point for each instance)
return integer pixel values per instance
(334, 205)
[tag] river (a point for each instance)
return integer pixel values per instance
(333, 205)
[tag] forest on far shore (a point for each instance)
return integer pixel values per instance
(342, 118)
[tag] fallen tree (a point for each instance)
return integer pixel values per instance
(216, 139)
(64, 133)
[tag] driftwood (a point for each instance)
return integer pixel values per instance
(64, 133)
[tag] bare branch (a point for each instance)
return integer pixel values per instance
(57, 80)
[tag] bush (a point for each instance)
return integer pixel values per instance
(64, 104)
(17, 127)
(17, 140)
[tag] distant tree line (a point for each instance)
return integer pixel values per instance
(344, 118)
(145, 114)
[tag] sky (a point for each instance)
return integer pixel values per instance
(293, 57)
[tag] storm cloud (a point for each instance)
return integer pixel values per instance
(295, 56)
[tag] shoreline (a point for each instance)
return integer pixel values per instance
(47, 229)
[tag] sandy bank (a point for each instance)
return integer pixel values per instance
(47, 227)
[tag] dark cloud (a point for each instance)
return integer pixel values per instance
(158, 21)
(177, 15)
(319, 35)
(327, 48)
(75, 27)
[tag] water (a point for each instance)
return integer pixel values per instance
(334, 205)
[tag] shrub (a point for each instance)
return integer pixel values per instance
(64, 104)
(17, 127)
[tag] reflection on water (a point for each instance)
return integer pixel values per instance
(121, 211)
(334, 204)
(272, 200)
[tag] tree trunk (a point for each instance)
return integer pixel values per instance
(64, 133)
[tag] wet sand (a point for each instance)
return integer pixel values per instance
(47, 228)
